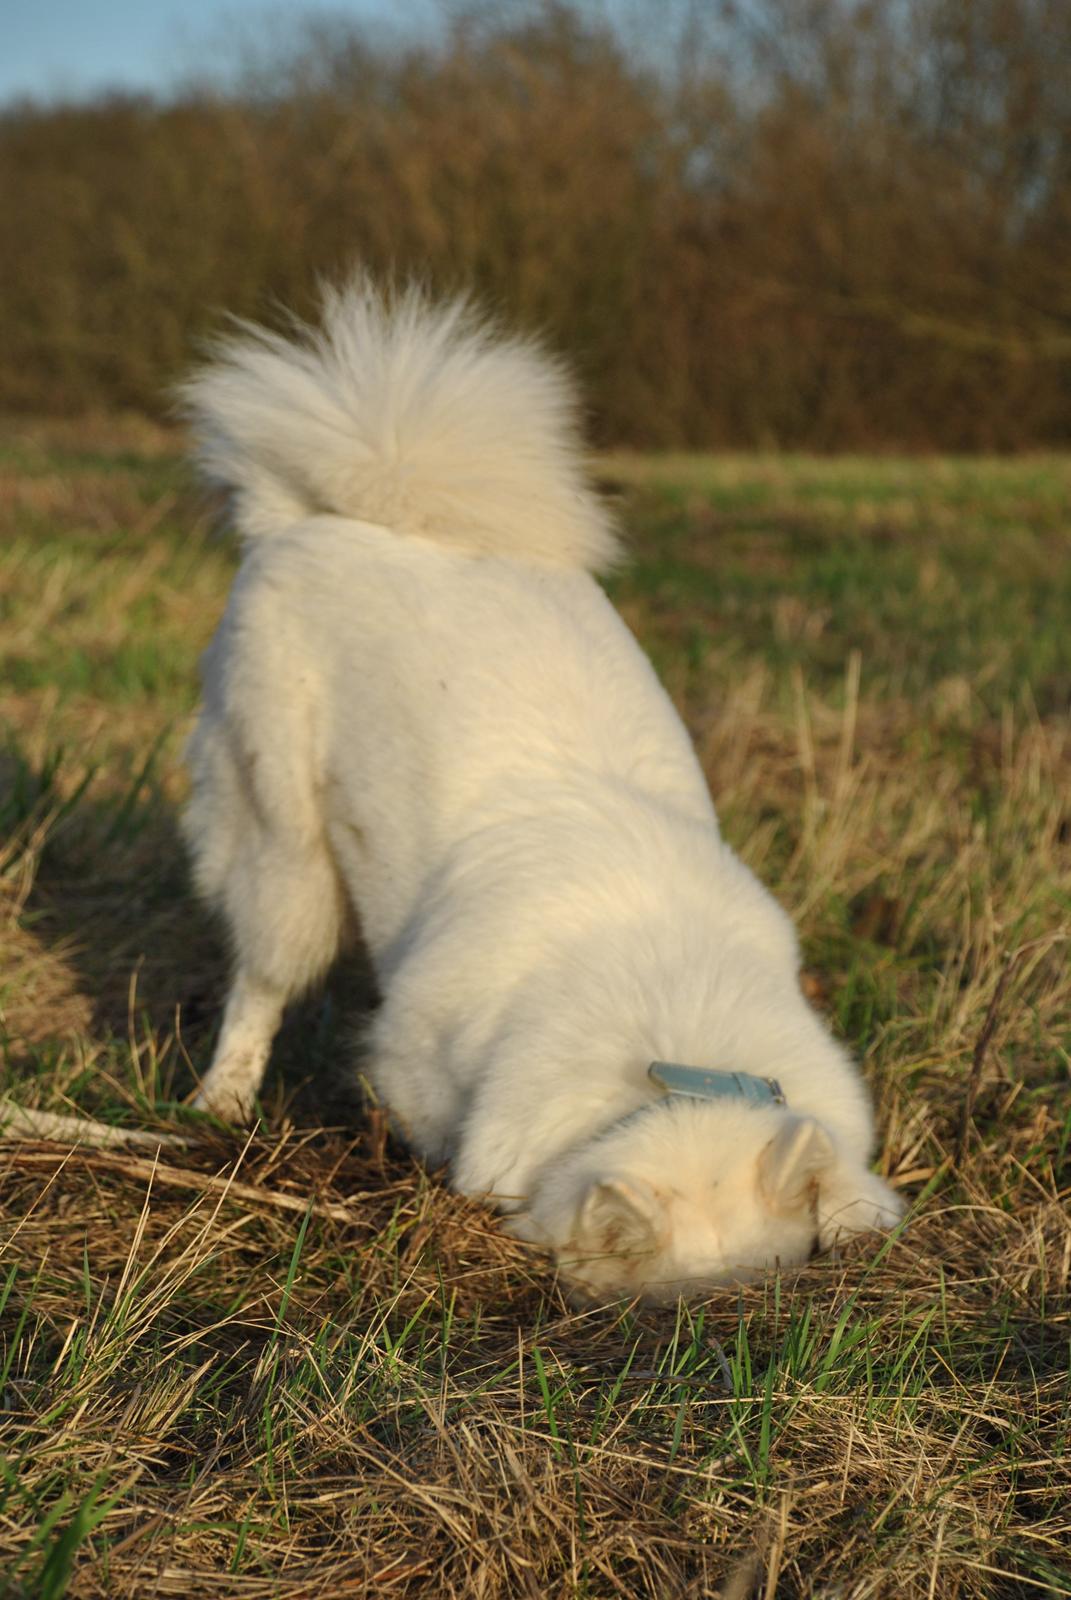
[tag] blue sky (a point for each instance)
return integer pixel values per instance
(51, 48)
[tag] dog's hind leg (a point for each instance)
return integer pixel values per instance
(286, 916)
(252, 1016)
(260, 857)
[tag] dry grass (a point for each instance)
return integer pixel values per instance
(295, 1365)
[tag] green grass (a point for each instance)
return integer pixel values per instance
(941, 574)
(298, 1366)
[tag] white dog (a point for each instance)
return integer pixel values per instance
(423, 718)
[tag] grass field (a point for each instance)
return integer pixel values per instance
(295, 1366)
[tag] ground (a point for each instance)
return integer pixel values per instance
(294, 1365)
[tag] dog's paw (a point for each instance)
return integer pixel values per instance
(856, 1202)
(230, 1099)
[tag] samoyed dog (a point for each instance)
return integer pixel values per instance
(423, 720)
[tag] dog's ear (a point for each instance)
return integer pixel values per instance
(620, 1217)
(792, 1164)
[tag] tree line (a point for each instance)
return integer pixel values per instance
(822, 224)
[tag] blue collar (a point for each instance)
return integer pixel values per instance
(698, 1083)
(709, 1083)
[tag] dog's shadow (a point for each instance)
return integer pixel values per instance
(130, 956)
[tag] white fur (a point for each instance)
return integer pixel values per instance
(451, 734)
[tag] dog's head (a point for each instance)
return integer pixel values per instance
(692, 1195)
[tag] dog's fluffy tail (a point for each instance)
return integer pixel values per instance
(398, 411)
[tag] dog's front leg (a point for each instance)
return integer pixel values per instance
(250, 1021)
